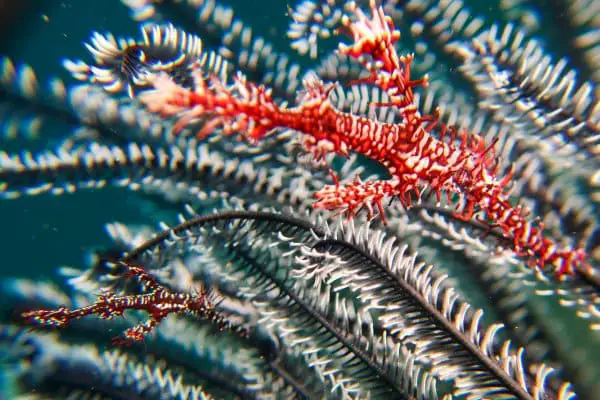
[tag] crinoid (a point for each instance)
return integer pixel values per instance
(342, 218)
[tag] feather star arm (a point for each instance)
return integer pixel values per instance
(415, 159)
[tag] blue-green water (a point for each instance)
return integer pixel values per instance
(42, 233)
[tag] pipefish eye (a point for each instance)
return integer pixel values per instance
(133, 59)
(135, 68)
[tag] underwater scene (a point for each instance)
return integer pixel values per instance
(302, 199)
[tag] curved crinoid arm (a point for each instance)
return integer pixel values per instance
(123, 63)
(375, 37)
(158, 303)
